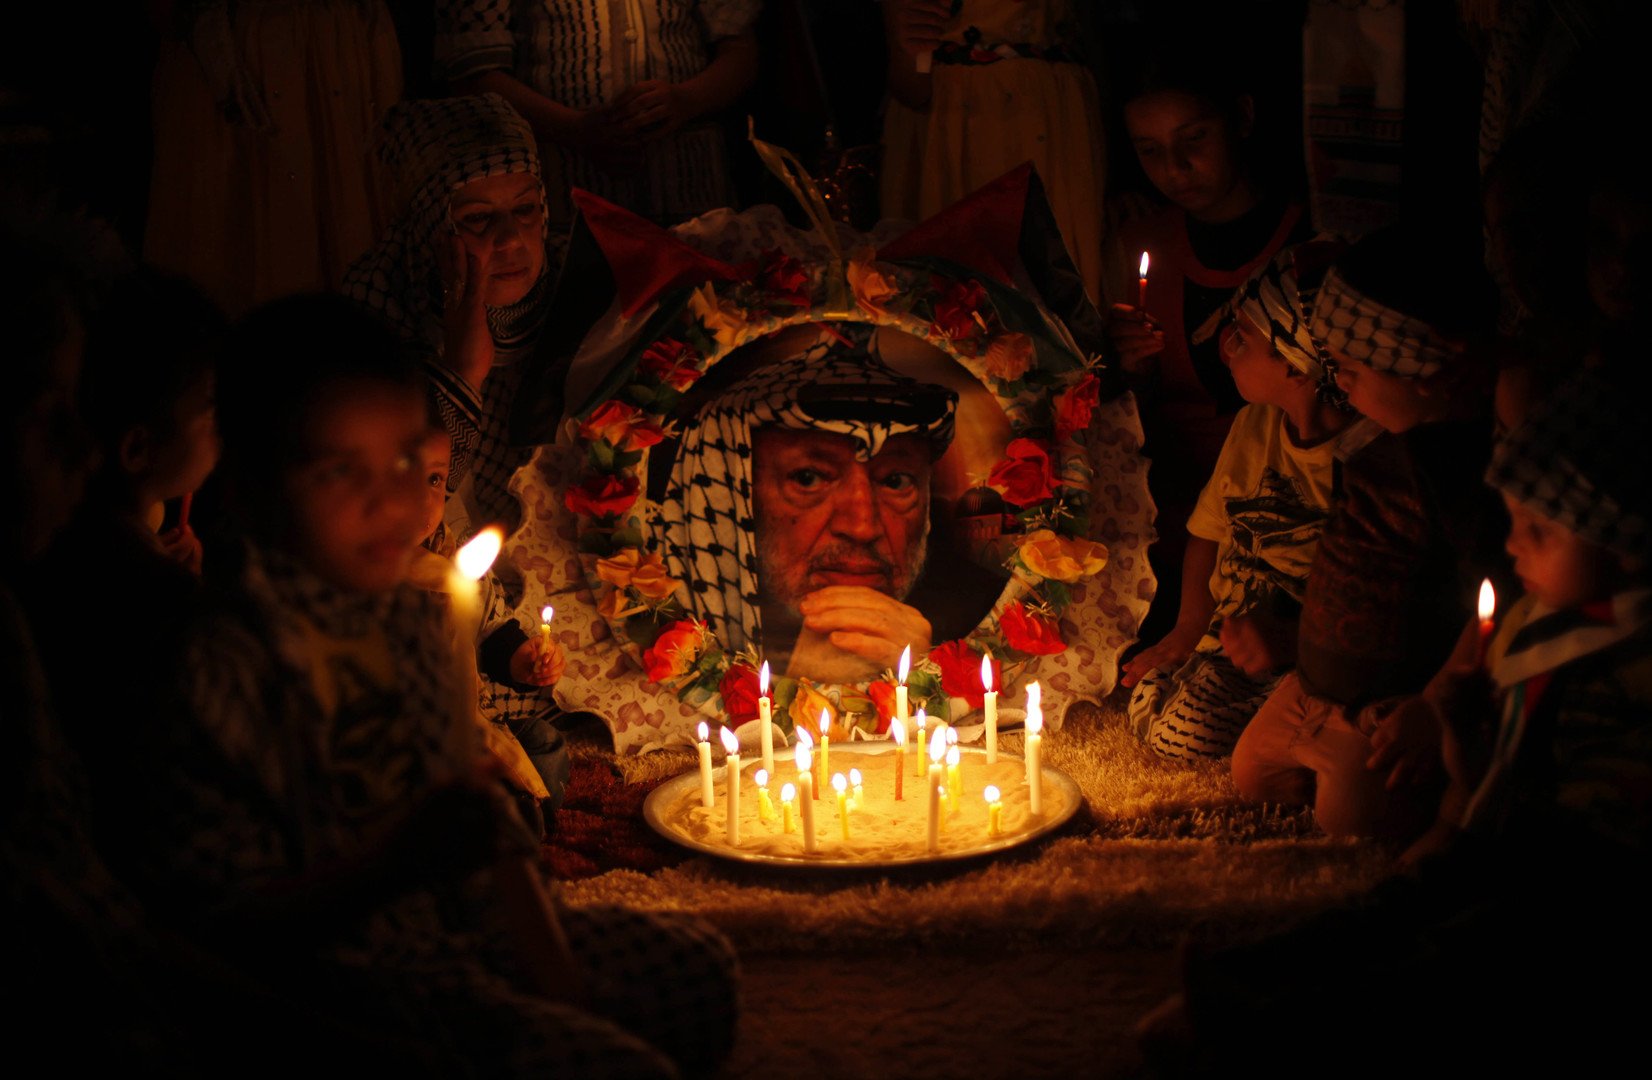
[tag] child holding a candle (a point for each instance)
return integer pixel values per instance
(1191, 119)
(1254, 530)
(1400, 561)
(512, 666)
(328, 801)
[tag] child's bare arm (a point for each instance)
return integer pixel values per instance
(1191, 621)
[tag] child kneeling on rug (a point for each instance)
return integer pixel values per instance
(1254, 530)
(1401, 558)
(1477, 958)
(330, 818)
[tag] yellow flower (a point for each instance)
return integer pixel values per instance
(641, 570)
(1009, 356)
(618, 569)
(805, 710)
(617, 607)
(1061, 558)
(725, 320)
(873, 289)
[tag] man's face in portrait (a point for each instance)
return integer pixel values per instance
(826, 519)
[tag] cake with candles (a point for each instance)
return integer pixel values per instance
(887, 812)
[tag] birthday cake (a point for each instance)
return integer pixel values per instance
(881, 828)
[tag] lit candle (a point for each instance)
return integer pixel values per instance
(1141, 288)
(854, 782)
(923, 738)
(765, 716)
(842, 787)
(707, 798)
(788, 796)
(937, 751)
(991, 707)
(545, 614)
(900, 687)
(806, 795)
(1488, 608)
(1035, 697)
(731, 765)
(954, 779)
(765, 805)
(995, 811)
(825, 742)
(898, 733)
(1035, 774)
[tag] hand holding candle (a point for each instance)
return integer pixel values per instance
(707, 797)
(731, 765)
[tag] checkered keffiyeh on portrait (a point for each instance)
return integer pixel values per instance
(1367, 330)
(1580, 459)
(838, 384)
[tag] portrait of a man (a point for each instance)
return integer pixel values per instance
(799, 513)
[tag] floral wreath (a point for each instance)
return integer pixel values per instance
(1046, 389)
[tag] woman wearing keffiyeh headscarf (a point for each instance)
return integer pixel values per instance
(465, 274)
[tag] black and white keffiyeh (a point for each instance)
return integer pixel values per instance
(1361, 328)
(1580, 459)
(837, 384)
(1279, 299)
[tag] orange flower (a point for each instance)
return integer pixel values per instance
(806, 706)
(1029, 633)
(622, 425)
(1025, 476)
(616, 607)
(641, 570)
(1075, 406)
(1009, 356)
(602, 496)
(724, 320)
(873, 288)
(1061, 558)
(675, 650)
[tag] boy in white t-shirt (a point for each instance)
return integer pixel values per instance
(1256, 524)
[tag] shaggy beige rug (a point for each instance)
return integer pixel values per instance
(1031, 963)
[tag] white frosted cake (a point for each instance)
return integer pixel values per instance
(881, 829)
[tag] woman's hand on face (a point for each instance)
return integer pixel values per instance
(469, 343)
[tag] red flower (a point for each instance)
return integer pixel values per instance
(739, 690)
(883, 698)
(783, 278)
(622, 425)
(1025, 476)
(1025, 632)
(957, 307)
(601, 496)
(1074, 407)
(673, 362)
(961, 672)
(674, 651)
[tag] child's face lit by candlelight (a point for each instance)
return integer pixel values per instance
(1191, 152)
(1555, 564)
(435, 458)
(357, 501)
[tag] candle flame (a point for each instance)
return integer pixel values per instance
(937, 746)
(952, 755)
(803, 756)
(1035, 695)
(854, 777)
(906, 663)
(951, 735)
(923, 718)
(804, 738)
(546, 612)
(788, 792)
(763, 679)
(1035, 720)
(1144, 264)
(761, 778)
(991, 793)
(986, 672)
(475, 557)
(839, 782)
(1488, 600)
(898, 733)
(731, 744)
(825, 722)
(704, 732)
